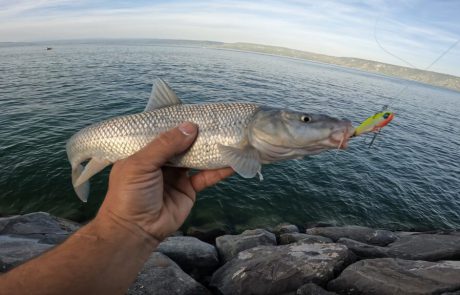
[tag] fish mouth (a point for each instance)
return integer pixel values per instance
(339, 137)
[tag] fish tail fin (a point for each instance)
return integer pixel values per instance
(81, 190)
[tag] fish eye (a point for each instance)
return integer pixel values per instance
(386, 115)
(305, 118)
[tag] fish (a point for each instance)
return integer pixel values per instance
(374, 123)
(242, 136)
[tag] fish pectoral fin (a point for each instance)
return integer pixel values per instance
(244, 161)
(162, 96)
(94, 166)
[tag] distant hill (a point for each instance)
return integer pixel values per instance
(428, 77)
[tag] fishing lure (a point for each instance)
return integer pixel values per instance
(374, 123)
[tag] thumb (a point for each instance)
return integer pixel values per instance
(168, 144)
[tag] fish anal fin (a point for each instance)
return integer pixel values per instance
(162, 96)
(245, 161)
(94, 166)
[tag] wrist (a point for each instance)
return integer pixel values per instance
(110, 226)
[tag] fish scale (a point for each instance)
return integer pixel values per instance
(121, 137)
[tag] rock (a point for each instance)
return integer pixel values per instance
(430, 247)
(281, 269)
(208, 233)
(312, 289)
(230, 245)
(39, 225)
(160, 275)
(406, 233)
(284, 228)
(15, 250)
(398, 276)
(177, 233)
(357, 233)
(363, 250)
(455, 233)
(193, 256)
(318, 224)
(290, 238)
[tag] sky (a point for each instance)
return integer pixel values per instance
(410, 32)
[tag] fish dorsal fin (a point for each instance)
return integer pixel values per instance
(162, 96)
(244, 161)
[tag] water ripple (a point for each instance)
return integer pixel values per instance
(408, 180)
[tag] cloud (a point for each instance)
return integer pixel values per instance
(330, 27)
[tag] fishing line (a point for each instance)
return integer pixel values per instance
(407, 85)
(396, 97)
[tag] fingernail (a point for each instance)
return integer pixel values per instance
(187, 128)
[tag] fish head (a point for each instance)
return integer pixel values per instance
(280, 134)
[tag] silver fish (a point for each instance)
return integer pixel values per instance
(239, 135)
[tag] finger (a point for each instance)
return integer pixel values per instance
(172, 173)
(206, 178)
(166, 146)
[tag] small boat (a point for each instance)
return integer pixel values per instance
(49, 48)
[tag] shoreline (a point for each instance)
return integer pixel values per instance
(322, 259)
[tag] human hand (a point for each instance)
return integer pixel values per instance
(154, 198)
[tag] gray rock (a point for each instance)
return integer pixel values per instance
(15, 250)
(290, 238)
(284, 228)
(39, 225)
(312, 289)
(397, 276)
(160, 275)
(177, 233)
(319, 224)
(363, 250)
(406, 233)
(357, 233)
(193, 256)
(430, 247)
(208, 233)
(281, 269)
(230, 245)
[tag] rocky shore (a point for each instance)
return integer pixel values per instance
(282, 260)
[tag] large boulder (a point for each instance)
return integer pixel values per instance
(230, 245)
(208, 232)
(39, 225)
(284, 228)
(160, 275)
(363, 250)
(290, 238)
(281, 269)
(384, 276)
(15, 250)
(430, 247)
(358, 233)
(312, 289)
(193, 256)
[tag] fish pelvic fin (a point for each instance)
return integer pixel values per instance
(82, 190)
